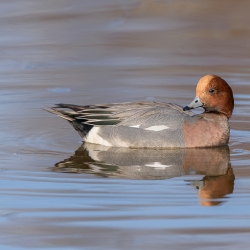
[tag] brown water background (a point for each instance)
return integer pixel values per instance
(104, 51)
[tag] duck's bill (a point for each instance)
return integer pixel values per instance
(196, 103)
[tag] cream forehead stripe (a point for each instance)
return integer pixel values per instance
(204, 81)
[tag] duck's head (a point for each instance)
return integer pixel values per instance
(214, 95)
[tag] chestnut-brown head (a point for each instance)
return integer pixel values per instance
(214, 95)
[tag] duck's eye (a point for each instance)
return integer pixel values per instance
(211, 90)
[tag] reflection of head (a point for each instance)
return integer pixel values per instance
(216, 187)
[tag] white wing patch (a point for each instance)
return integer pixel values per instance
(135, 126)
(157, 128)
(93, 137)
(158, 165)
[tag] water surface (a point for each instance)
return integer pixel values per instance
(57, 193)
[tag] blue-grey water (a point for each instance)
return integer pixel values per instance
(56, 193)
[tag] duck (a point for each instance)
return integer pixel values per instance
(152, 124)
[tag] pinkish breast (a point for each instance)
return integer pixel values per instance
(206, 130)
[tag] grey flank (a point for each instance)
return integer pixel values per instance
(115, 120)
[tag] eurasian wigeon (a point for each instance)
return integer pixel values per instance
(157, 124)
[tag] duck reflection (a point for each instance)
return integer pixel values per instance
(212, 188)
(153, 164)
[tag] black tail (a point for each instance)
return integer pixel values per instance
(70, 106)
(81, 128)
(72, 117)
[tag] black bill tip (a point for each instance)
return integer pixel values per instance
(186, 108)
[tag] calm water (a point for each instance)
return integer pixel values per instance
(57, 193)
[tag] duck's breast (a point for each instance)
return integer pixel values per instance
(206, 130)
